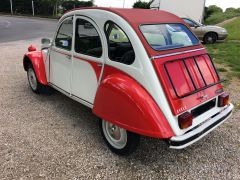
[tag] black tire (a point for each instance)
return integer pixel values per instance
(131, 143)
(34, 84)
(210, 38)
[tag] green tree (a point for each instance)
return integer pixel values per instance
(231, 10)
(214, 9)
(43, 7)
(68, 5)
(142, 4)
(5, 6)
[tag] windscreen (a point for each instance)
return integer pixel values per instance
(168, 36)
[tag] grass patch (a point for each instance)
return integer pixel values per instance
(227, 53)
(233, 29)
(221, 69)
(220, 17)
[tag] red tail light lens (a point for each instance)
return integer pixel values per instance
(223, 100)
(185, 120)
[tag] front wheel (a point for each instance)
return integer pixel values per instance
(120, 141)
(210, 38)
(32, 79)
(34, 84)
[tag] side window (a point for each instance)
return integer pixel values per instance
(87, 40)
(119, 46)
(64, 36)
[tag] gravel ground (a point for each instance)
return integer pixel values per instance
(54, 137)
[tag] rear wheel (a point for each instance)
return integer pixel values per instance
(120, 141)
(210, 38)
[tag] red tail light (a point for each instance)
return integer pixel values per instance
(185, 120)
(223, 100)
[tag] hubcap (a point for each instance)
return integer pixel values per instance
(32, 79)
(210, 39)
(115, 135)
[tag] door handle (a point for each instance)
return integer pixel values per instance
(68, 57)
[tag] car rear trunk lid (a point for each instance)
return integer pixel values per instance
(188, 80)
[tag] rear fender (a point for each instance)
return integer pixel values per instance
(122, 101)
(36, 59)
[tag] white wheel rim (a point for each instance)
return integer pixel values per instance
(32, 79)
(115, 135)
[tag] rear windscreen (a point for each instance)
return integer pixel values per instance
(168, 36)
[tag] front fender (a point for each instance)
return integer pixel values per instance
(122, 101)
(36, 59)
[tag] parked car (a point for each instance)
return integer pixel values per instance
(208, 34)
(141, 75)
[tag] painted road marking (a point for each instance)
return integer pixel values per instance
(5, 23)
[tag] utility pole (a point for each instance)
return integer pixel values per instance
(11, 6)
(33, 8)
(56, 8)
(123, 3)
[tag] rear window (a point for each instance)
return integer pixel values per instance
(168, 36)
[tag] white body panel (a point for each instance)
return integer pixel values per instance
(60, 69)
(193, 9)
(84, 80)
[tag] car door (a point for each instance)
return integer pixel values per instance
(88, 59)
(61, 56)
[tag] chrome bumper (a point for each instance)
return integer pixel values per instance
(180, 142)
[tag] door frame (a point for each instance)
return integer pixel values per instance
(60, 51)
(75, 55)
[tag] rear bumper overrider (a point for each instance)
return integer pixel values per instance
(195, 134)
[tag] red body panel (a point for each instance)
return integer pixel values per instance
(36, 59)
(122, 101)
(182, 82)
(97, 66)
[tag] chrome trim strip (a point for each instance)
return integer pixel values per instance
(177, 53)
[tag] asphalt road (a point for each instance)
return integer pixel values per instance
(16, 28)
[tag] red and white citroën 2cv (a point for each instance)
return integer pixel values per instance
(143, 72)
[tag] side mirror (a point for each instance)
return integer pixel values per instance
(46, 43)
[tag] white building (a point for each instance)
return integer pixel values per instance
(193, 9)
